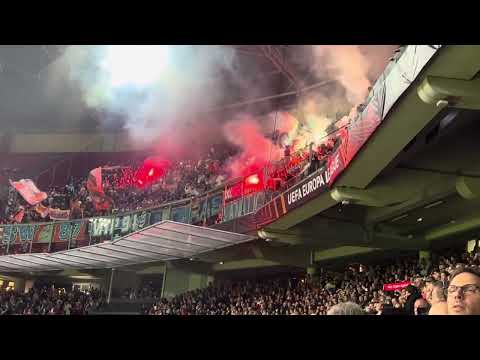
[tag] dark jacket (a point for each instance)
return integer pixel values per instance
(409, 308)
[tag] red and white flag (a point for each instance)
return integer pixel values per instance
(41, 210)
(29, 191)
(94, 182)
(19, 216)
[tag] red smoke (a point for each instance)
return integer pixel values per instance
(256, 150)
(152, 169)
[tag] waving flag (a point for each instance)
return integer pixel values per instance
(29, 191)
(94, 186)
(94, 182)
(19, 216)
(41, 210)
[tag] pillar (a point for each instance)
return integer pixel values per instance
(179, 281)
(425, 257)
(472, 245)
(311, 271)
(29, 285)
(109, 295)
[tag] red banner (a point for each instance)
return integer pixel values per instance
(29, 191)
(57, 214)
(234, 192)
(396, 286)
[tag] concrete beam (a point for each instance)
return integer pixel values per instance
(440, 91)
(416, 188)
(341, 251)
(468, 187)
(245, 264)
(461, 225)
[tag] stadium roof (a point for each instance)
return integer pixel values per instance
(164, 241)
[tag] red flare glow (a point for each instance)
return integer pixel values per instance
(253, 180)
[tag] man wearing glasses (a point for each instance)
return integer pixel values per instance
(464, 293)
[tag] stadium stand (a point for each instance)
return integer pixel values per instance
(158, 237)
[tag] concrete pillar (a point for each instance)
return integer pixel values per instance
(110, 285)
(311, 271)
(19, 285)
(29, 285)
(425, 258)
(178, 281)
(472, 245)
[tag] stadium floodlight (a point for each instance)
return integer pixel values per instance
(139, 65)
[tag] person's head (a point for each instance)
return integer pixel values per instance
(421, 306)
(410, 290)
(437, 292)
(346, 308)
(463, 296)
(419, 283)
(427, 290)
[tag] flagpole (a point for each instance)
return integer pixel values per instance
(8, 246)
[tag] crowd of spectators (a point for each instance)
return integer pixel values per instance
(50, 301)
(430, 284)
(180, 180)
(146, 292)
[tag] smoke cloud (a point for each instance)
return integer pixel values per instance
(170, 111)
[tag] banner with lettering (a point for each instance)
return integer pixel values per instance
(156, 216)
(127, 224)
(119, 225)
(29, 191)
(70, 231)
(214, 205)
(58, 214)
(100, 226)
(181, 214)
(396, 286)
(307, 189)
(234, 192)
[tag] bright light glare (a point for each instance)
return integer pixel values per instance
(253, 179)
(135, 64)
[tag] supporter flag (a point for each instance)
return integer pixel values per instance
(41, 210)
(19, 216)
(29, 191)
(58, 214)
(94, 186)
(94, 182)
